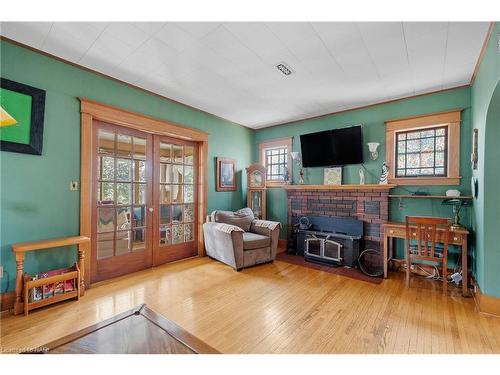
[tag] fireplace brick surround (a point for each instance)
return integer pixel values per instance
(368, 203)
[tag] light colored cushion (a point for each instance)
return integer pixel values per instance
(242, 218)
(255, 241)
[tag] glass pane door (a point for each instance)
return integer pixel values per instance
(175, 186)
(122, 165)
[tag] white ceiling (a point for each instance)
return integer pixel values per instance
(228, 68)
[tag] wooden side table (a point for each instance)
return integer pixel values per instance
(21, 248)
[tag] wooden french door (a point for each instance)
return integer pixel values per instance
(175, 199)
(144, 201)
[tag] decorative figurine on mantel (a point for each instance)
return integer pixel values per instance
(384, 177)
(298, 160)
(361, 177)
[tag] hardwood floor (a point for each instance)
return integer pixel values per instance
(275, 308)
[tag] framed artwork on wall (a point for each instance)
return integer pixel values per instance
(332, 176)
(474, 156)
(22, 110)
(226, 174)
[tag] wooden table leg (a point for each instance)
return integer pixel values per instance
(18, 303)
(386, 250)
(81, 265)
(465, 268)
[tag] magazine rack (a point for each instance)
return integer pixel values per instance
(24, 284)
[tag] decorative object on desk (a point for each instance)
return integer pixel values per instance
(474, 155)
(226, 174)
(384, 177)
(256, 193)
(332, 176)
(22, 112)
(475, 187)
(372, 147)
(452, 193)
(361, 177)
(298, 160)
(457, 205)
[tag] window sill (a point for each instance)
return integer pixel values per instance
(417, 181)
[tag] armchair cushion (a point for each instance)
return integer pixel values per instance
(255, 241)
(242, 218)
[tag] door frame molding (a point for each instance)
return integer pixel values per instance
(90, 110)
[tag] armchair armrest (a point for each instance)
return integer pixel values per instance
(270, 229)
(264, 227)
(224, 242)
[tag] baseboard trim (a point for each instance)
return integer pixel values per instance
(7, 301)
(281, 246)
(486, 304)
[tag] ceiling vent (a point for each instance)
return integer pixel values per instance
(283, 68)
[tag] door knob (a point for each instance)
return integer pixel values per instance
(151, 209)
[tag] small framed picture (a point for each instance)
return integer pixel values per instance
(333, 176)
(226, 174)
(474, 156)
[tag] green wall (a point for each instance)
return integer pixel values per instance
(485, 99)
(36, 202)
(373, 119)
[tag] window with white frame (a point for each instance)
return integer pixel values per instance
(275, 156)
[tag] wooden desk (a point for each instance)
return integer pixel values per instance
(457, 237)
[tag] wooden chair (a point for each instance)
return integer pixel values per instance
(423, 230)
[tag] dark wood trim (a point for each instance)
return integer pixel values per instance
(481, 54)
(33, 49)
(192, 342)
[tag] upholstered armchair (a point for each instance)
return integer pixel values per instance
(239, 240)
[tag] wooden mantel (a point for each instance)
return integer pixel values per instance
(377, 187)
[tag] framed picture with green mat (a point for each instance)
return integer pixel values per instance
(21, 117)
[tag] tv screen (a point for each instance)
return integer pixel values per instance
(335, 147)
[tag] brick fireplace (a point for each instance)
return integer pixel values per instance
(368, 203)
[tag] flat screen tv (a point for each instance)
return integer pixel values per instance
(332, 148)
